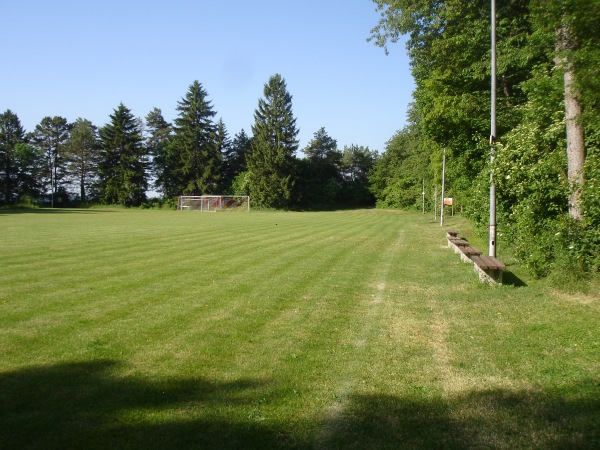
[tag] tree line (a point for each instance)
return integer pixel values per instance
(546, 164)
(61, 163)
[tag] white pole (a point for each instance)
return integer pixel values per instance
(443, 186)
(492, 233)
(435, 204)
(423, 196)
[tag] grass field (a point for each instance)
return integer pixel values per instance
(133, 329)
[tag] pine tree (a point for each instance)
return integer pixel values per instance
(81, 155)
(235, 159)
(195, 149)
(225, 149)
(122, 174)
(29, 163)
(240, 148)
(160, 134)
(320, 180)
(50, 136)
(323, 153)
(271, 161)
(11, 134)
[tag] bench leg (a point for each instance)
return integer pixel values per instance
(488, 276)
(465, 258)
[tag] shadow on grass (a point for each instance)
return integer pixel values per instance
(510, 279)
(85, 405)
(491, 419)
(49, 211)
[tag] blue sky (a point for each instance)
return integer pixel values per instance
(82, 58)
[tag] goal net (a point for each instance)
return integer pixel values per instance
(213, 203)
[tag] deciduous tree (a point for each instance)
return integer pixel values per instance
(397, 177)
(548, 99)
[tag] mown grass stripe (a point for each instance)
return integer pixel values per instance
(159, 328)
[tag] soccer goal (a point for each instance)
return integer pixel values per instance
(214, 203)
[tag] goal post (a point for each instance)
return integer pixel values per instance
(213, 203)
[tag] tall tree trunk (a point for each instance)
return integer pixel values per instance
(565, 43)
(82, 185)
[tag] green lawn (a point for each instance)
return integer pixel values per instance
(354, 329)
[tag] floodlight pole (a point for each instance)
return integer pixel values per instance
(443, 187)
(492, 233)
(435, 203)
(423, 196)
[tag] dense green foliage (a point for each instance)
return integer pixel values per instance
(332, 178)
(398, 176)
(547, 214)
(271, 159)
(234, 156)
(320, 174)
(50, 137)
(81, 155)
(122, 177)
(159, 135)
(194, 152)
(11, 135)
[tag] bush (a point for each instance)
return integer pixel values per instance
(26, 201)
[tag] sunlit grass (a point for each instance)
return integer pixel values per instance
(164, 329)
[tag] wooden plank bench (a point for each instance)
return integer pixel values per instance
(456, 243)
(451, 233)
(466, 253)
(488, 268)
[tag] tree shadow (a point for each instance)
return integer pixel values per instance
(85, 405)
(93, 405)
(50, 211)
(510, 279)
(492, 419)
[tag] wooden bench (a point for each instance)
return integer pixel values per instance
(456, 243)
(466, 253)
(451, 233)
(488, 268)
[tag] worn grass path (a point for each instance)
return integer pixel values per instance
(354, 329)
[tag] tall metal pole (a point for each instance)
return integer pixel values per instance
(492, 234)
(52, 178)
(423, 196)
(443, 187)
(435, 204)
